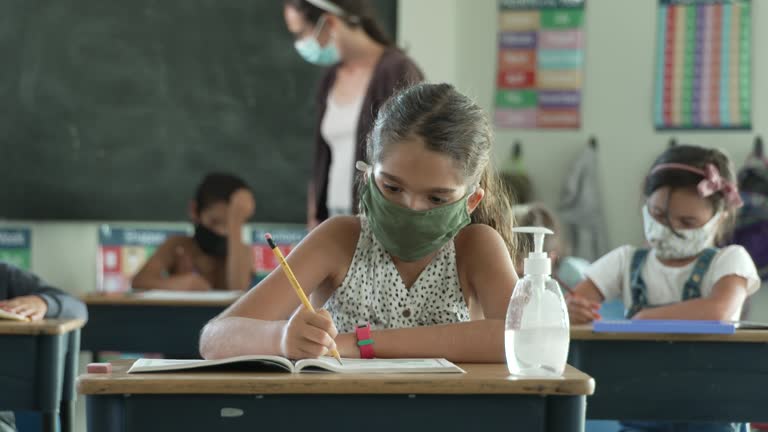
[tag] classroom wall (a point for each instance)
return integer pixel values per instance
(617, 98)
(455, 41)
(65, 253)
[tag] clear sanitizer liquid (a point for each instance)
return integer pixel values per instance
(537, 332)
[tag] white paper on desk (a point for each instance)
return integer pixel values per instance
(190, 295)
(392, 366)
(322, 364)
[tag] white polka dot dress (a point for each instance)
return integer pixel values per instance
(374, 292)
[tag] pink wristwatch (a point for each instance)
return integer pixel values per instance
(365, 341)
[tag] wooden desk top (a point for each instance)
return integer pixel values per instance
(135, 299)
(44, 327)
(479, 379)
(584, 332)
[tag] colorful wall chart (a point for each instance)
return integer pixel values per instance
(540, 64)
(15, 247)
(285, 237)
(703, 69)
(123, 251)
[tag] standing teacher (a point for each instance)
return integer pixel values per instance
(365, 69)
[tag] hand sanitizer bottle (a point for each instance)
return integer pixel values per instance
(537, 329)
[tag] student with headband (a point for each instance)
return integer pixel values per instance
(364, 69)
(691, 199)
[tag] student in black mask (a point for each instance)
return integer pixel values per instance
(215, 257)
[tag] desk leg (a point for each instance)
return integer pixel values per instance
(49, 421)
(105, 413)
(51, 374)
(67, 415)
(566, 413)
(68, 393)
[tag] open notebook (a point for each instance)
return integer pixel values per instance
(5, 315)
(258, 363)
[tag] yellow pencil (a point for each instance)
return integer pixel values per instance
(295, 283)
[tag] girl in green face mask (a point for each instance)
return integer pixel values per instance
(425, 269)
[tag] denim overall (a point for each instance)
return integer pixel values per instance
(691, 290)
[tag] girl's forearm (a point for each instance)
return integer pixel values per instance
(479, 341)
(696, 309)
(237, 336)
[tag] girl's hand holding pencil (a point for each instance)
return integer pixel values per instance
(308, 335)
(312, 330)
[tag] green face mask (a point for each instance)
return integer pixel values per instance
(409, 234)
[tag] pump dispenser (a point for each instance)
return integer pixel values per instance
(537, 329)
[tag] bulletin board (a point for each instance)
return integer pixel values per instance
(704, 65)
(540, 64)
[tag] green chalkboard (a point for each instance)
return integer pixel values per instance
(115, 109)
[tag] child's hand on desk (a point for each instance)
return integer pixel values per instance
(241, 206)
(32, 307)
(581, 310)
(191, 282)
(308, 334)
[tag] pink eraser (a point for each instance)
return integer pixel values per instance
(268, 236)
(99, 368)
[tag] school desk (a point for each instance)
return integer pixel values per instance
(485, 398)
(128, 323)
(38, 367)
(674, 377)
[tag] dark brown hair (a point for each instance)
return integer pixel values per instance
(448, 122)
(217, 187)
(357, 13)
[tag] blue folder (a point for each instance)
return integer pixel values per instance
(664, 326)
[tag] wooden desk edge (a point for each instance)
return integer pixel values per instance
(575, 383)
(585, 333)
(127, 300)
(44, 327)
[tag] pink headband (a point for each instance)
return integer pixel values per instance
(712, 183)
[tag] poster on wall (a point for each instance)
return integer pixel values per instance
(123, 252)
(540, 64)
(15, 247)
(286, 237)
(703, 65)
